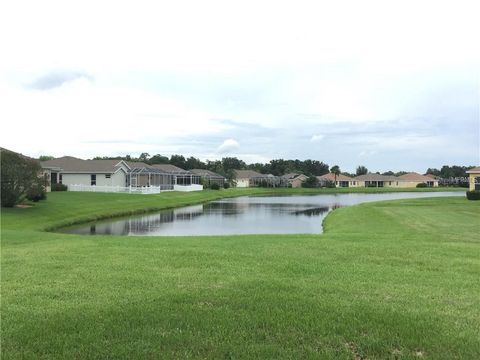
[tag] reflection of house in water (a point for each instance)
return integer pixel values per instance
(188, 213)
(225, 208)
(144, 224)
(313, 211)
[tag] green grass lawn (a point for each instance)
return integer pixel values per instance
(397, 279)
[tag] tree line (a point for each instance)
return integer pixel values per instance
(277, 167)
(227, 165)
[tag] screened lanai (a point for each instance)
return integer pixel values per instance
(148, 176)
(186, 178)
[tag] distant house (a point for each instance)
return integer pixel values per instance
(294, 180)
(116, 176)
(209, 177)
(250, 178)
(474, 178)
(377, 180)
(412, 179)
(340, 180)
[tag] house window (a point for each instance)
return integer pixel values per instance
(108, 176)
(389, 183)
(60, 179)
(93, 179)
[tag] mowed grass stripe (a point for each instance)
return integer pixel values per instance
(397, 279)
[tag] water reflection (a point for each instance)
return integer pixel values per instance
(312, 212)
(245, 215)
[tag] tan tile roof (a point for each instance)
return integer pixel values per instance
(375, 177)
(475, 170)
(331, 177)
(414, 177)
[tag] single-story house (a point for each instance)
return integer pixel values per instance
(251, 178)
(340, 180)
(377, 180)
(294, 180)
(474, 178)
(69, 170)
(209, 177)
(112, 176)
(180, 176)
(412, 179)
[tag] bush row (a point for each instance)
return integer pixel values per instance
(473, 195)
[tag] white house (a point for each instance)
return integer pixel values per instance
(114, 176)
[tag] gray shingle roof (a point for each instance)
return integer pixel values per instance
(206, 173)
(170, 168)
(248, 174)
(73, 164)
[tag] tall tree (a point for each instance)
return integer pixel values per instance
(158, 159)
(335, 170)
(194, 163)
(361, 170)
(144, 157)
(178, 160)
(19, 177)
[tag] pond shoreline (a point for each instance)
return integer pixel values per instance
(164, 221)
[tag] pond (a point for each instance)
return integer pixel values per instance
(288, 214)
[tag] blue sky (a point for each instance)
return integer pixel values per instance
(388, 85)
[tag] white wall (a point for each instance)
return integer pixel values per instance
(117, 179)
(243, 182)
(72, 179)
(192, 187)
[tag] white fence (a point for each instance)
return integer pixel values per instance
(116, 189)
(191, 187)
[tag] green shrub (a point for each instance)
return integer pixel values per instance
(422, 185)
(36, 193)
(226, 185)
(214, 186)
(59, 187)
(19, 174)
(311, 182)
(329, 184)
(473, 195)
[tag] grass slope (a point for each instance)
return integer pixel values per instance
(395, 279)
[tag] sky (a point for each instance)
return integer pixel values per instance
(391, 85)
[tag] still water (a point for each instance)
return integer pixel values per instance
(243, 215)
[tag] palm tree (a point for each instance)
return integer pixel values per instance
(335, 170)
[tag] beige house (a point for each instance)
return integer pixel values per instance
(377, 180)
(339, 180)
(474, 178)
(413, 179)
(251, 178)
(294, 180)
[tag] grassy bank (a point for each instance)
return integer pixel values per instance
(393, 280)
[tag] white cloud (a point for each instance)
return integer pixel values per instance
(317, 138)
(171, 72)
(228, 146)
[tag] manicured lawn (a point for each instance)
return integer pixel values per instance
(396, 279)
